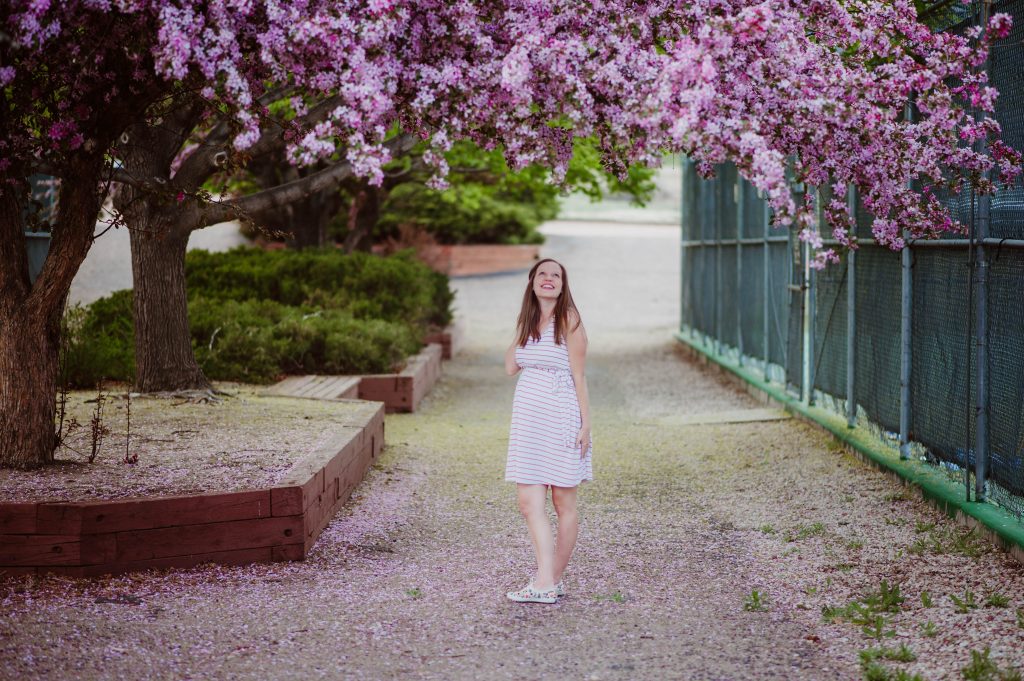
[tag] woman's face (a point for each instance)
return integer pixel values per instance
(547, 281)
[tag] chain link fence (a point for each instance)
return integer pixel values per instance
(925, 346)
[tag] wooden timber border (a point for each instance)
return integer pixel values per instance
(451, 339)
(90, 538)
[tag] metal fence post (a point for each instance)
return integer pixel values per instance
(851, 317)
(983, 218)
(766, 299)
(738, 197)
(718, 263)
(807, 387)
(906, 312)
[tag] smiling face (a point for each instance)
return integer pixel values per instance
(547, 282)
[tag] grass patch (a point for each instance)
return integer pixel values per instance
(997, 600)
(929, 630)
(614, 597)
(983, 668)
(414, 593)
(766, 529)
(805, 532)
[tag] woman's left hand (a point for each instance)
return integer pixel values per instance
(583, 441)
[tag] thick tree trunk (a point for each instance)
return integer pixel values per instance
(159, 226)
(29, 352)
(164, 359)
(30, 314)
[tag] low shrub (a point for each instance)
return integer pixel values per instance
(251, 341)
(393, 288)
(257, 341)
(99, 342)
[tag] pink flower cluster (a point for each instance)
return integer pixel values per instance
(784, 89)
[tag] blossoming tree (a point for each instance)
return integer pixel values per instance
(754, 82)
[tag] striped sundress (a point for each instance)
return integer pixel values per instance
(546, 418)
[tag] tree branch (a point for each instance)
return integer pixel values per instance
(290, 192)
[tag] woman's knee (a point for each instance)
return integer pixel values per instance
(531, 502)
(564, 502)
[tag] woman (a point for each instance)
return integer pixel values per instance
(549, 444)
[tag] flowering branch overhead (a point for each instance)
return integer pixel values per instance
(822, 84)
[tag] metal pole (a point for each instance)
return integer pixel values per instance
(851, 318)
(738, 197)
(906, 310)
(718, 262)
(685, 199)
(765, 292)
(983, 217)
(805, 370)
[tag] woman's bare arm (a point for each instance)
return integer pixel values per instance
(511, 368)
(577, 342)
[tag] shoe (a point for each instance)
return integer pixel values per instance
(559, 588)
(530, 595)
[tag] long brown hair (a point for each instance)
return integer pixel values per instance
(529, 314)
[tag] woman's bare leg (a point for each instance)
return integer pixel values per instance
(532, 500)
(564, 500)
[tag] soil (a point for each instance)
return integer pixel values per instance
(242, 440)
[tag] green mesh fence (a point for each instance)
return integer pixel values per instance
(738, 275)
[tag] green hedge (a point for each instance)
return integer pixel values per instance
(395, 288)
(255, 315)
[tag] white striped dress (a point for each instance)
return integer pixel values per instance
(546, 418)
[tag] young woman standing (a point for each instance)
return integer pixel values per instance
(549, 443)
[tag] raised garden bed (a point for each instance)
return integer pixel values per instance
(276, 520)
(450, 339)
(465, 260)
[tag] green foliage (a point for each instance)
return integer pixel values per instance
(614, 597)
(929, 629)
(869, 611)
(488, 202)
(983, 668)
(946, 540)
(414, 593)
(874, 670)
(921, 527)
(257, 341)
(98, 342)
(965, 602)
(755, 602)
(393, 288)
(805, 531)
(255, 315)
(997, 600)
(1020, 618)
(926, 599)
(767, 529)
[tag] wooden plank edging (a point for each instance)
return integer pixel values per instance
(90, 538)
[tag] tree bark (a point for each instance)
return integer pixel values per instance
(30, 314)
(29, 352)
(158, 231)
(164, 359)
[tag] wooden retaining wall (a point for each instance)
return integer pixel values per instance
(450, 339)
(404, 391)
(111, 537)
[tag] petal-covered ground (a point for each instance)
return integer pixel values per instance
(684, 522)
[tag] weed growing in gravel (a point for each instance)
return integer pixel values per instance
(926, 599)
(964, 603)
(805, 531)
(845, 567)
(983, 668)
(929, 629)
(875, 671)
(767, 529)
(877, 628)
(1020, 618)
(946, 540)
(615, 597)
(897, 496)
(997, 600)
(414, 593)
(755, 602)
(867, 613)
(854, 544)
(921, 527)
(901, 654)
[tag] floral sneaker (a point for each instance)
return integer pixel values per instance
(530, 595)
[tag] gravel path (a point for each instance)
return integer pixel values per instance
(683, 522)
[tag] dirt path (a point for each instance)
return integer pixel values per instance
(683, 522)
